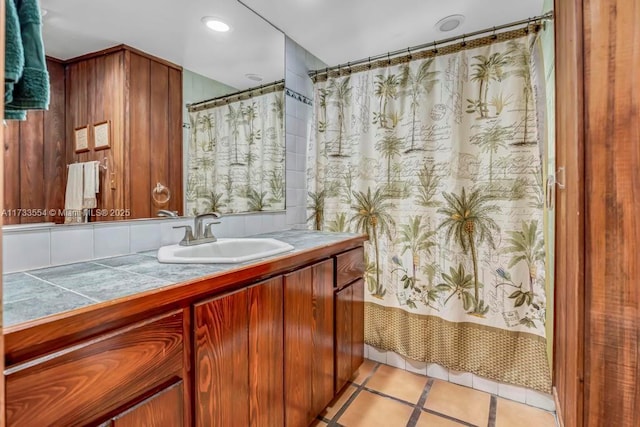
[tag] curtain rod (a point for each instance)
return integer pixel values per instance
(433, 45)
(237, 96)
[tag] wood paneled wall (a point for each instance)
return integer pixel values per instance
(96, 93)
(597, 357)
(612, 188)
(569, 257)
(141, 96)
(35, 157)
(155, 93)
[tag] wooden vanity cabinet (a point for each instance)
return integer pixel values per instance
(248, 341)
(269, 354)
(93, 381)
(239, 357)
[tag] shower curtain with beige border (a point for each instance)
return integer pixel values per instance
(437, 159)
(235, 157)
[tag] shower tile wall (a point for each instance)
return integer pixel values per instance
(298, 63)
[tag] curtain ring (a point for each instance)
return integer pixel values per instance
(409, 53)
(494, 36)
(388, 58)
(349, 67)
(464, 43)
(526, 30)
(435, 48)
(537, 26)
(369, 61)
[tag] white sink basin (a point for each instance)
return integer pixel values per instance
(223, 251)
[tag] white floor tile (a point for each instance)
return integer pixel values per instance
(436, 371)
(483, 384)
(540, 400)
(376, 355)
(461, 378)
(416, 367)
(508, 391)
(396, 360)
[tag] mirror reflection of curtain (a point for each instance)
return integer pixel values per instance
(236, 157)
(437, 160)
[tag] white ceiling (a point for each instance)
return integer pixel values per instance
(170, 29)
(338, 31)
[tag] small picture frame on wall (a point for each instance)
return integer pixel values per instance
(101, 136)
(81, 139)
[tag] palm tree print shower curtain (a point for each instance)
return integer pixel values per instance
(437, 160)
(236, 156)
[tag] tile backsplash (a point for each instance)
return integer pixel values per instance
(45, 246)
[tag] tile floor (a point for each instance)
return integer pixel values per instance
(383, 396)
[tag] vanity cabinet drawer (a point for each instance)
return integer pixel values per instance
(88, 382)
(349, 266)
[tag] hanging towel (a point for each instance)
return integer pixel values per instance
(91, 186)
(13, 54)
(31, 90)
(74, 194)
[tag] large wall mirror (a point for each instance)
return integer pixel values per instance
(173, 115)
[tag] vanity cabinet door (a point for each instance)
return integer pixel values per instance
(163, 409)
(222, 361)
(349, 331)
(322, 371)
(239, 358)
(344, 326)
(308, 342)
(357, 325)
(266, 354)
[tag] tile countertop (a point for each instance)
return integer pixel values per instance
(34, 294)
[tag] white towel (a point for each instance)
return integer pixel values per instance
(73, 195)
(91, 184)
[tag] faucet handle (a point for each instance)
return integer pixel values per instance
(208, 234)
(188, 235)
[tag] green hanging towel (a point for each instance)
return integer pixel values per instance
(31, 89)
(14, 54)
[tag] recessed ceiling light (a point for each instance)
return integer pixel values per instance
(215, 24)
(449, 23)
(254, 77)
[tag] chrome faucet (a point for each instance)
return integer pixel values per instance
(167, 214)
(202, 234)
